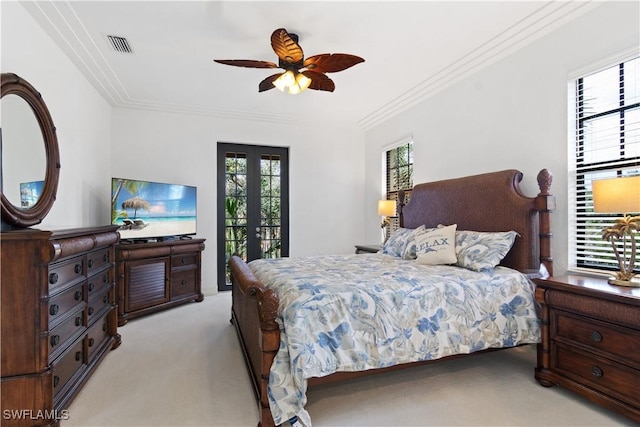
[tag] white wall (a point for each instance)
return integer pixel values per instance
(81, 116)
(326, 173)
(97, 142)
(510, 115)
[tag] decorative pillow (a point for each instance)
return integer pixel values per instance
(480, 251)
(436, 246)
(398, 241)
(410, 249)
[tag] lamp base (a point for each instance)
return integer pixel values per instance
(628, 283)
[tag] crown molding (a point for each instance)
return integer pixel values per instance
(542, 21)
(59, 20)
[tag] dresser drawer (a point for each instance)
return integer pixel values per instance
(183, 282)
(596, 372)
(184, 260)
(97, 335)
(98, 304)
(617, 341)
(66, 331)
(98, 260)
(66, 366)
(61, 304)
(96, 283)
(65, 272)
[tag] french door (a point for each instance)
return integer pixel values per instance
(253, 204)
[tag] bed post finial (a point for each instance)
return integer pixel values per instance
(544, 182)
(545, 203)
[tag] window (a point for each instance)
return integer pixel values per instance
(399, 168)
(606, 144)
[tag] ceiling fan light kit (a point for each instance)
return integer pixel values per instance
(292, 82)
(299, 73)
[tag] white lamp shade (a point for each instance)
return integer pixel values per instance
(617, 195)
(386, 207)
(279, 83)
(303, 81)
(294, 89)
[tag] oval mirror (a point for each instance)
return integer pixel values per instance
(29, 153)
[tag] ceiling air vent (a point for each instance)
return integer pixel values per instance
(120, 44)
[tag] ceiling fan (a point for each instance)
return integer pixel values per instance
(299, 73)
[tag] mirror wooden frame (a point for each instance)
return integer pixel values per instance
(14, 216)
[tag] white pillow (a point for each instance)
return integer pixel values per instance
(437, 246)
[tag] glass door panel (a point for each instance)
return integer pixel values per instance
(252, 204)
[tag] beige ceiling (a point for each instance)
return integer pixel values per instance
(411, 50)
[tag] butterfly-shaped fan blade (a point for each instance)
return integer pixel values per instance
(287, 49)
(267, 83)
(319, 81)
(248, 63)
(331, 62)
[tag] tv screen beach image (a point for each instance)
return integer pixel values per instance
(30, 193)
(145, 209)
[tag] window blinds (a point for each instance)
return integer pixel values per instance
(607, 144)
(399, 166)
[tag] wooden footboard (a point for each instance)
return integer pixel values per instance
(253, 304)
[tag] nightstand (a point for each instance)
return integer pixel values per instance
(591, 340)
(367, 249)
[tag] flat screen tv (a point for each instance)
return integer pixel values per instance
(30, 193)
(147, 210)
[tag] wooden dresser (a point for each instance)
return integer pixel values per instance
(591, 340)
(59, 318)
(158, 275)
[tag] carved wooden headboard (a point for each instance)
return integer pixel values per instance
(489, 202)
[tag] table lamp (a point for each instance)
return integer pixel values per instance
(620, 195)
(386, 208)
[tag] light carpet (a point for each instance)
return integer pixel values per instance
(184, 367)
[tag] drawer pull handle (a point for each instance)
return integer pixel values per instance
(77, 296)
(596, 336)
(105, 299)
(78, 321)
(105, 327)
(184, 260)
(596, 372)
(105, 278)
(105, 257)
(53, 310)
(77, 268)
(91, 286)
(90, 263)
(90, 311)
(91, 342)
(53, 278)
(55, 339)
(183, 282)
(56, 380)
(78, 355)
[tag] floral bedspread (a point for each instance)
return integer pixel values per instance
(357, 312)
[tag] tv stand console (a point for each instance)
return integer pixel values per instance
(156, 276)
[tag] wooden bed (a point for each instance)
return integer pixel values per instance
(487, 202)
